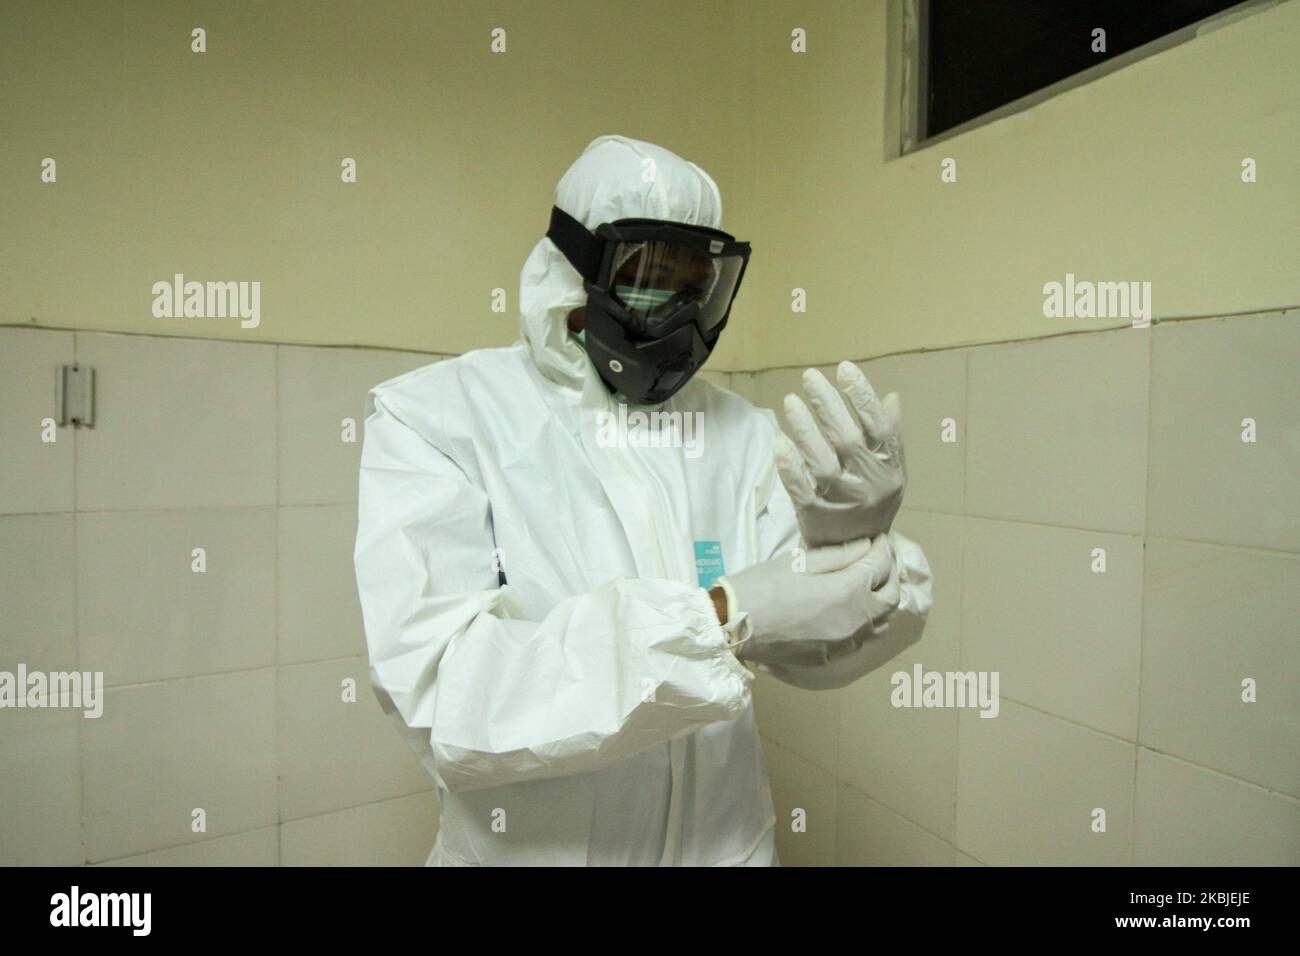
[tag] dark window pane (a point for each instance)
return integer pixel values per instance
(982, 54)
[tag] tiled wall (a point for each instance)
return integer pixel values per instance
(1119, 690)
(224, 689)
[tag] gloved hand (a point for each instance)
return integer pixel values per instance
(847, 483)
(845, 591)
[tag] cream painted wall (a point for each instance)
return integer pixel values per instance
(1135, 176)
(225, 165)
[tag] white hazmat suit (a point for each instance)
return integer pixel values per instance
(587, 711)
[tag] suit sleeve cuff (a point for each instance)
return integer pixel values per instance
(739, 628)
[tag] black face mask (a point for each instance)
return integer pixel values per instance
(658, 297)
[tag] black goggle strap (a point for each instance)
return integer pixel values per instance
(576, 241)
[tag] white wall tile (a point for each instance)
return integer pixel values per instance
(40, 787)
(1058, 431)
(254, 848)
(162, 750)
(742, 383)
(37, 475)
(1063, 638)
(905, 758)
(805, 721)
(320, 616)
(1027, 785)
(38, 610)
(798, 785)
(1189, 816)
(318, 388)
(1206, 483)
(179, 423)
(932, 387)
(869, 834)
(1215, 616)
(334, 754)
(144, 614)
(397, 832)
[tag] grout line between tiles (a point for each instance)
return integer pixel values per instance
(1269, 791)
(431, 791)
(211, 675)
(278, 826)
(1135, 744)
(1208, 542)
(152, 509)
(1142, 602)
(961, 590)
(878, 802)
(835, 822)
(1025, 339)
(267, 343)
(185, 846)
(275, 584)
(923, 350)
(76, 623)
(1139, 535)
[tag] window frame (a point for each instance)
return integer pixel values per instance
(906, 72)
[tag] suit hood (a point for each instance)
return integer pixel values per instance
(616, 177)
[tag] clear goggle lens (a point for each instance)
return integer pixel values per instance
(652, 278)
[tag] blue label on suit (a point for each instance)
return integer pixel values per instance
(708, 562)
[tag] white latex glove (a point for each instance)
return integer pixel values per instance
(846, 592)
(846, 478)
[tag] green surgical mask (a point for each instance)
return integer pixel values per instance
(644, 301)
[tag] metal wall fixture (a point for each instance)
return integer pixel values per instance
(75, 395)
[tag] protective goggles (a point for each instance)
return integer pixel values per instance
(658, 275)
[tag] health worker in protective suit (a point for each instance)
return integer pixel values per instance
(565, 627)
